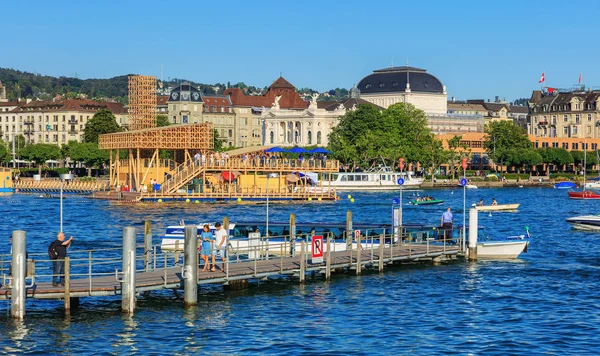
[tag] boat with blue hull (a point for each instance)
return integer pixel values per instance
(565, 185)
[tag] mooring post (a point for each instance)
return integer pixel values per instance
(17, 294)
(328, 261)
(349, 232)
(473, 229)
(381, 244)
(67, 286)
(190, 266)
(225, 256)
(302, 256)
(358, 253)
(292, 234)
(148, 245)
(128, 284)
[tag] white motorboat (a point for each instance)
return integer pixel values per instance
(585, 222)
(382, 178)
(468, 186)
(510, 248)
(592, 185)
(498, 207)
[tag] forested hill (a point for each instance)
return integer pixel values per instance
(35, 86)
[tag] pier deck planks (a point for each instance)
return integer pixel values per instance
(155, 280)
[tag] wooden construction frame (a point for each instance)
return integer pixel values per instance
(142, 102)
(175, 137)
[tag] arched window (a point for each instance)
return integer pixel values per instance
(272, 137)
(309, 137)
(318, 137)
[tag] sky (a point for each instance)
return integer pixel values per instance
(478, 49)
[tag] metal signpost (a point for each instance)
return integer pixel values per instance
(269, 175)
(400, 183)
(63, 177)
(464, 182)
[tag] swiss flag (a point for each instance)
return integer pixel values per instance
(550, 90)
(543, 78)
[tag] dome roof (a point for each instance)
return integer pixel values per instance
(185, 92)
(394, 79)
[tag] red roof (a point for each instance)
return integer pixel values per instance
(216, 102)
(162, 100)
(290, 99)
(73, 105)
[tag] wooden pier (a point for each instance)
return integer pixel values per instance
(108, 273)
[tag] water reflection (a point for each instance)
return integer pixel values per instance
(127, 336)
(18, 333)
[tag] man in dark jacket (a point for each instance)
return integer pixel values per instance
(60, 246)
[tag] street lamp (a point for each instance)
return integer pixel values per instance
(62, 178)
(269, 175)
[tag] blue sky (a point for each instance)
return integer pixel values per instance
(478, 49)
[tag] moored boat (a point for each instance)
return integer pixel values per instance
(382, 178)
(498, 207)
(506, 248)
(564, 185)
(584, 194)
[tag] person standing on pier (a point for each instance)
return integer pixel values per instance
(221, 237)
(60, 246)
(206, 252)
(446, 222)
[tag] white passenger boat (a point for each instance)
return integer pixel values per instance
(498, 207)
(382, 178)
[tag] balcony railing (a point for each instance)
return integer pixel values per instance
(73, 132)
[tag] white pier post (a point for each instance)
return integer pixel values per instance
(128, 284)
(18, 293)
(292, 235)
(190, 267)
(473, 229)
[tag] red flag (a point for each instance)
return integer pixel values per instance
(580, 77)
(543, 78)
(550, 90)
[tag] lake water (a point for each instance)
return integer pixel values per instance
(545, 302)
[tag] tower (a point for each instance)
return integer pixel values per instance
(2, 93)
(142, 102)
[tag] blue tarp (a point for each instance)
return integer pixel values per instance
(319, 150)
(565, 185)
(298, 150)
(275, 149)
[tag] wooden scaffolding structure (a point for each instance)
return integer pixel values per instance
(142, 102)
(146, 144)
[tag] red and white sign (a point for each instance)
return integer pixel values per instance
(356, 234)
(317, 249)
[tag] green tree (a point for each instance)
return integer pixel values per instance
(531, 158)
(456, 151)
(5, 155)
(505, 141)
(103, 122)
(162, 120)
(90, 154)
(556, 156)
(217, 142)
(433, 154)
(40, 153)
(367, 133)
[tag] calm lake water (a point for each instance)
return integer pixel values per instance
(545, 302)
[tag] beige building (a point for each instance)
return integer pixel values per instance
(186, 105)
(564, 114)
(55, 121)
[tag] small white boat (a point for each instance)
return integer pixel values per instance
(498, 207)
(468, 186)
(592, 185)
(510, 248)
(585, 222)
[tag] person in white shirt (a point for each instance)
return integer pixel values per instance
(221, 238)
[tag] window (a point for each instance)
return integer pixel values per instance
(272, 137)
(589, 130)
(589, 117)
(566, 131)
(565, 118)
(565, 145)
(577, 119)
(555, 144)
(309, 137)
(574, 130)
(574, 146)
(318, 137)
(594, 146)
(230, 133)
(553, 119)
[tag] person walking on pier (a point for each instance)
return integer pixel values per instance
(206, 252)
(60, 247)
(446, 222)
(221, 237)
